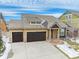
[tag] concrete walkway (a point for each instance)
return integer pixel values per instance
(36, 50)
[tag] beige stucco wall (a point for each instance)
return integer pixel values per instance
(25, 33)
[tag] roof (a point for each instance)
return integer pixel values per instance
(46, 21)
(15, 24)
(19, 24)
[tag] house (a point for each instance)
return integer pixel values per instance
(3, 26)
(71, 18)
(36, 28)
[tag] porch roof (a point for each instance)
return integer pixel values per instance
(59, 24)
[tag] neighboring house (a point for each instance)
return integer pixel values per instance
(36, 28)
(71, 18)
(3, 26)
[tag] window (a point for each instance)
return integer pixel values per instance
(35, 22)
(62, 33)
(69, 17)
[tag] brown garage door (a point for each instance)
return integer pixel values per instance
(36, 36)
(17, 36)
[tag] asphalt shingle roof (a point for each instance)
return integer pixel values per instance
(24, 23)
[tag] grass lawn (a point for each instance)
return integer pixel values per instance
(66, 54)
(74, 45)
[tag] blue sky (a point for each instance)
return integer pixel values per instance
(12, 9)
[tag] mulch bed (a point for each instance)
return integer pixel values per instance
(56, 41)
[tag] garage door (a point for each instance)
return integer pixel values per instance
(36, 36)
(17, 36)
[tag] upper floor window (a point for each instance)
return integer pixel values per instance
(69, 17)
(35, 22)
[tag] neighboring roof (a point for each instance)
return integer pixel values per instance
(70, 27)
(70, 12)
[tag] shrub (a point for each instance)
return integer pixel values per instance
(2, 47)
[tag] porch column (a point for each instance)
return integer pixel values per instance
(58, 34)
(24, 36)
(65, 33)
(49, 34)
(78, 33)
(10, 36)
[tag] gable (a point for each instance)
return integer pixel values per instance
(74, 17)
(55, 26)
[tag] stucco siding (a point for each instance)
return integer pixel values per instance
(25, 33)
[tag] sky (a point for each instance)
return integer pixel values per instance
(13, 9)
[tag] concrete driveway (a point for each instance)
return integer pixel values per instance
(36, 50)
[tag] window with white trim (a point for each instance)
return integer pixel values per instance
(62, 32)
(68, 17)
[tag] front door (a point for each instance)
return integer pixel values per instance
(54, 33)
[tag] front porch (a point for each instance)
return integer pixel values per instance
(57, 32)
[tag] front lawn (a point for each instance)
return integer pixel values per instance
(73, 44)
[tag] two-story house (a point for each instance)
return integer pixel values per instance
(71, 18)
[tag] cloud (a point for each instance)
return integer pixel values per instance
(43, 4)
(17, 7)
